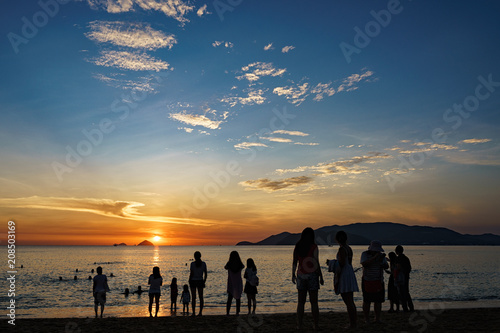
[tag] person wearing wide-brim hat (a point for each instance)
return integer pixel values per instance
(374, 262)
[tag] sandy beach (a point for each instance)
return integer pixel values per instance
(464, 320)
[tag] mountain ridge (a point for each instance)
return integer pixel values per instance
(361, 233)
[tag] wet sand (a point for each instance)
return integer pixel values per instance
(452, 320)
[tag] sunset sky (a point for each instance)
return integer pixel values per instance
(213, 122)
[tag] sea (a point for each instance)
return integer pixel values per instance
(442, 277)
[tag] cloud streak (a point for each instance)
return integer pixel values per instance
(132, 35)
(195, 120)
(268, 185)
(256, 70)
(135, 61)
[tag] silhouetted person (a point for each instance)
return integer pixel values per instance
(155, 282)
(139, 291)
(234, 282)
(185, 298)
(90, 277)
(174, 293)
(306, 272)
(126, 292)
(347, 283)
(197, 279)
(60, 278)
(99, 289)
(75, 278)
(392, 288)
(374, 263)
(404, 291)
(252, 281)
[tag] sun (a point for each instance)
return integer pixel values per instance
(156, 238)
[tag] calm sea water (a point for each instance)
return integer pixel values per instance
(454, 276)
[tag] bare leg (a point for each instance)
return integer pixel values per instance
(157, 300)
(378, 308)
(249, 297)
(228, 303)
(150, 307)
(95, 308)
(193, 295)
(238, 305)
(300, 307)
(313, 298)
(351, 308)
(200, 292)
(254, 303)
(102, 309)
(366, 311)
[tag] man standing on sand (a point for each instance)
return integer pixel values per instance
(405, 265)
(99, 290)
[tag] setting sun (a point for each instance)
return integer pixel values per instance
(156, 238)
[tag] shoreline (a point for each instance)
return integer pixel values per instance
(433, 319)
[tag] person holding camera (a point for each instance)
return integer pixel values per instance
(374, 262)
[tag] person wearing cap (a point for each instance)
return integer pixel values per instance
(374, 262)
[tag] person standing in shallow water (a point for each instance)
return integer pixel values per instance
(306, 273)
(155, 282)
(404, 289)
(234, 282)
(99, 289)
(197, 279)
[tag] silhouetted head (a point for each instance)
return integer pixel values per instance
(197, 258)
(341, 237)
(186, 288)
(305, 242)
(393, 257)
(127, 291)
(399, 250)
(99, 270)
(251, 264)
(156, 272)
(234, 264)
(75, 278)
(90, 277)
(375, 246)
(174, 282)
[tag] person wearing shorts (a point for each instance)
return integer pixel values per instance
(99, 289)
(306, 273)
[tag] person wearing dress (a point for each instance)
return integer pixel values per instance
(234, 282)
(251, 284)
(347, 283)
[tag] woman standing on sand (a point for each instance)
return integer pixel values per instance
(197, 279)
(347, 283)
(155, 281)
(309, 275)
(234, 282)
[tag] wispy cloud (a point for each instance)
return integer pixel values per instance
(287, 49)
(343, 167)
(274, 139)
(306, 143)
(349, 83)
(135, 61)
(474, 141)
(133, 35)
(296, 95)
(176, 9)
(268, 185)
(104, 207)
(268, 47)
(295, 133)
(223, 43)
(249, 145)
(145, 84)
(195, 120)
(202, 11)
(256, 70)
(322, 89)
(254, 96)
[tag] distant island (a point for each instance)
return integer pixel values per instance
(387, 232)
(145, 243)
(121, 244)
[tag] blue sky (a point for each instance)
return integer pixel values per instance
(264, 95)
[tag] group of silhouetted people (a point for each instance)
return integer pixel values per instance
(197, 280)
(306, 274)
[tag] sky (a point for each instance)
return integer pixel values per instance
(213, 122)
